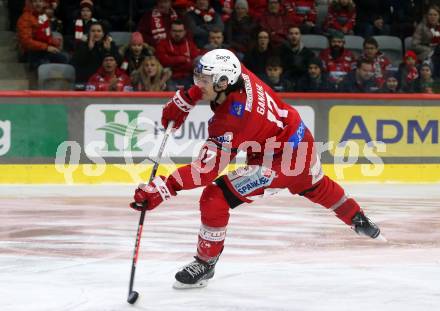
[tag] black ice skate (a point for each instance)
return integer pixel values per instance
(195, 274)
(364, 226)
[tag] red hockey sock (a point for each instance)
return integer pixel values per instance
(210, 243)
(347, 210)
(331, 195)
(215, 216)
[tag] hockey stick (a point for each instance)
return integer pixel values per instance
(133, 295)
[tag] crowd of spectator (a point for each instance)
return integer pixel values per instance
(167, 37)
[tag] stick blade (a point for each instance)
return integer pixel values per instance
(132, 297)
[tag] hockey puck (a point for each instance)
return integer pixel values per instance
(132, 297)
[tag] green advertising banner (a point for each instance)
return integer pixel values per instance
(32, 130)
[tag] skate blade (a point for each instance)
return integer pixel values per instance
(200, 284)
(381, 238)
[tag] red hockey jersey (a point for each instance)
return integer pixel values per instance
(252, 116)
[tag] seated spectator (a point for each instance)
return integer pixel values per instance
(85, 20)
(391, 83)
(427, 34)
(155, 24)
(341, 17)
(227, 7)
(274, 76)
(276, 20)
(256, 59)
(88, 56)
(150, 76)
(379, 28)
(134, 53)
(201, 18)
(337, 60)
(55, 23)
(360, 80)
(304, 14)
(367, 12)
(315, 79)
(380, 62)
(109, 77)
(178, 53)
(294, 55)
(408, 72)
(425, 82)
(240, 28)
(215, 41)
(35, 37)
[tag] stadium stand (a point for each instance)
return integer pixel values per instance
(120, 37)
(13, 74)
(355, 44)
(316, 43)
(56, 77)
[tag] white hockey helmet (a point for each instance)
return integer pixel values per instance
(221, 64)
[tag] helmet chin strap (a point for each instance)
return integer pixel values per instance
(220, 88)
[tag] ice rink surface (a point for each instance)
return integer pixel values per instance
(69, 249)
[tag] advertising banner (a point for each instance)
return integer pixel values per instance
(31, 130)
(124, 131)
(405, 131)
(94, 138)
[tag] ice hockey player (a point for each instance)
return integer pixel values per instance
(248, 116)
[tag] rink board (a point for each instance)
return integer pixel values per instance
(103, 136)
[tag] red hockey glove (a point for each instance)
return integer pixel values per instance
(178, 108)
(147, 197)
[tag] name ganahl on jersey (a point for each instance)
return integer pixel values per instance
(247, 179)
